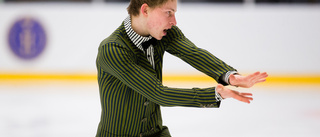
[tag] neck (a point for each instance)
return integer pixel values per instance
(138, 25)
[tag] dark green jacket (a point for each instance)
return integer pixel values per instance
(131, 91)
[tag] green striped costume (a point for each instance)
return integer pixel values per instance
(131, 90)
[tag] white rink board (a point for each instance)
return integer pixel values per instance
(279, 39)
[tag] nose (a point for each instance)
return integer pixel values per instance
(173, 21)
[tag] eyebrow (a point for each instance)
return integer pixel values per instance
(172, 10)
(169, 9)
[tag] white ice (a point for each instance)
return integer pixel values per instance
(73, 110)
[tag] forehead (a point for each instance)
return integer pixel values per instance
(170, 5)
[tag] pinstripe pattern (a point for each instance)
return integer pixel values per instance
(131, 90)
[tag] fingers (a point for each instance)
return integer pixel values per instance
(256, 73)
(262, 75)
(245, 94)
(261, 80)
(258, 77)
(253, 75)
(249, 80)
(243, 97)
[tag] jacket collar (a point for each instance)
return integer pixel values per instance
(133, 36)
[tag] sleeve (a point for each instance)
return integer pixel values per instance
(119, 62)
(180, 46)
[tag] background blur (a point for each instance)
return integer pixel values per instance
(48, 48)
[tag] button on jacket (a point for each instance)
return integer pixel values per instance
(131, 90)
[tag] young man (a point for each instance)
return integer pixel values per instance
(129, 65)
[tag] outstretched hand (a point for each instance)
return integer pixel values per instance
(241, 81)
(228, 93)
(247, 81)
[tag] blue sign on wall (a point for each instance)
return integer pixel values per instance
(27, 38)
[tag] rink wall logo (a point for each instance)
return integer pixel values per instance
(27, 38)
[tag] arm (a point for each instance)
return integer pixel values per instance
(202, 60)
(205, 62)
(117, 61)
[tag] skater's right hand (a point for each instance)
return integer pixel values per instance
(228, 93)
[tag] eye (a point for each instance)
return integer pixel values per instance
(169, 13)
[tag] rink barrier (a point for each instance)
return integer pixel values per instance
(272, 79)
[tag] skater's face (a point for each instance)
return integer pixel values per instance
(161, 18)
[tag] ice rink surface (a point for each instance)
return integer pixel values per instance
(72, 109)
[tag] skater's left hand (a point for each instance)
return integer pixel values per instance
(247, 81)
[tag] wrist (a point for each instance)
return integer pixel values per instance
(218, 92)
(233, 80)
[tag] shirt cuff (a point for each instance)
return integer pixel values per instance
(218, 97)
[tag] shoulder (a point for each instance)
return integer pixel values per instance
(118, 36)
(117, 42)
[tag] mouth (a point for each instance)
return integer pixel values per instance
(165, 31)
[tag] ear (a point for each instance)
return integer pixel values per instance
(144, 9)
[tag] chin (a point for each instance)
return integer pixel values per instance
(158, 37)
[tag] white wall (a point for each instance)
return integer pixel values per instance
(277, 39)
